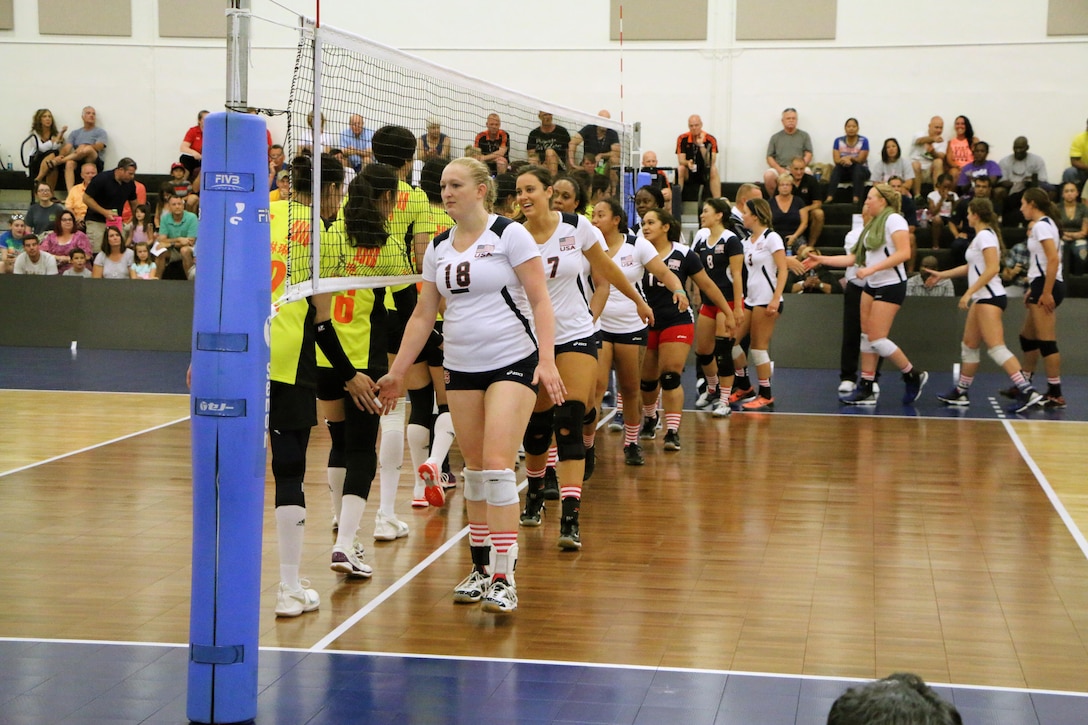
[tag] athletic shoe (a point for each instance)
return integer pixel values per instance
(706, 399)
(720, 409)
(1031, 399)
(432, 477)
(632, 455)
(293, 602)
(863, 394)
(551, 484)
(616, 424)
(472, 587)
(335, 524)
(955, 397)
(846, 387)
(760, 403)
(1054, 402)
(420, 503)
(388, 528)
(350, 562)
(591, 462)
(501, 597)
(672, 440)
(448, 481)
(1013, 392)
(649, 427)
(569, 537)
(534, 509)
(739, 396)
(913, 381)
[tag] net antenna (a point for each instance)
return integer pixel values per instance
(339, 75)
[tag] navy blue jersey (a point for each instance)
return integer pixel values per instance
(682, 262)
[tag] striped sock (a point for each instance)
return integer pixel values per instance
(553, 457)
(587, 440)
(966, 380)
(1022, 384)
(571, 492)
(672, 421)
(503, 540)
(649, 410)
(711, 382)
(477, 534)
(630, 433)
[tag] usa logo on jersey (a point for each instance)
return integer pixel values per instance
(484, 250)
(567, 244)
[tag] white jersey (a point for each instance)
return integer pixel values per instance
(895, 275)
(488, 322)
(976, 265)
(1044, 228)
(851, 274)
(564, 269)
(762, 268)
(620, 315)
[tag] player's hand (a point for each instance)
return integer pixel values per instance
(547, 377)
(364, 392)
(646, 313)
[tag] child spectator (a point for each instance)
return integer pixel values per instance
(78, 266)
(142, 228)
(43, 213)
(13, 238)
(942, 202)
(143, 267)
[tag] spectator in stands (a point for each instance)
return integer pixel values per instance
(910, 213)
(891, 163)
(1078, 159)
(63, 239)
(814, 281)
(660, 178)
(1019, 170)
(697, 163)
(942, 202)
(143, 267)
(114, 261)
(192, 146)
(78, 267)
(601, 144)
(349, 173)
(12, 239)
(549, 144)
(105, 197)
(44, 211)
(806, 188)
(32, 260)
(784, 146)
(924, 285)
(85, 145)
(1073, 222)
(177, 237)
(494, 145)
(506, 194)
(354, 141)
(306, 136)
(789, 215)
(851, 156)
(141, 229)
(282, 192)
(1014, 273)
(276, 164)
(48, 142)
(141, 198)
(74, 201)
(962, 231)
(927, 153)
(432, 145)
(960, 147)
(600, 189)
(979, 166)
(179, 185)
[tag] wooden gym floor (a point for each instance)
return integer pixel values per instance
(807, 548)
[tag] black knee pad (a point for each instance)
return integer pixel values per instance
(422, 400)
(289, 465)
(589, 417)
(538, 434)
(670, 381)
(336, 452)
(746, 343)
(723, 351)
(648, 386)
(1048, 347)
(1027, 344)
(704, 359)
(568, 430)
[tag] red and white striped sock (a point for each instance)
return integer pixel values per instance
(477, 534)
(711, 382)
(630, 433)
(672, 421)
(587, 440)
(619, 400)
(571, 492)
(503, 540)
(965, 381)
(553, 457)
(649, 410)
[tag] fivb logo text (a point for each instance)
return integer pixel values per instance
(227, 181)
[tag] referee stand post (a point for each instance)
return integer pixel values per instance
(229, 399)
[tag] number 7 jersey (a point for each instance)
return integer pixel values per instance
(488, 320)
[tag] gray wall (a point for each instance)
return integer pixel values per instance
(127, 315)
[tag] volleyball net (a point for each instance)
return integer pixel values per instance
(342, 80)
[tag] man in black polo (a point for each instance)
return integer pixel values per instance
(105, 198)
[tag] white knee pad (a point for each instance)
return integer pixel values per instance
(760, 357)
(474, 485)
(1000, 355)
(392, 422)
(971, 355)
(502, 487)
(866, 346)
(738, 351)
(884, 347)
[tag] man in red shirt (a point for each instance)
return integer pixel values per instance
(192, 146)
(697, 162)
(494, 145)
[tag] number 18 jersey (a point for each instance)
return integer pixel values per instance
(488, 320)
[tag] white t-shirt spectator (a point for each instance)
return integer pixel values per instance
(46, 264)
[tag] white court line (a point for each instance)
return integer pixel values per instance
(1055, 501)
(91, 448)
(91, 392)
(415, 571)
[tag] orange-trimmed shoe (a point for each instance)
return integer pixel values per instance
(760, 403)
(432, 477)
